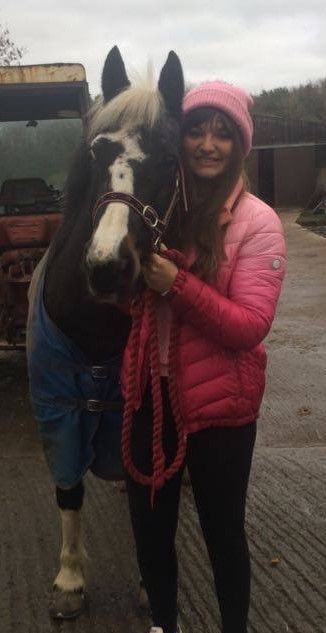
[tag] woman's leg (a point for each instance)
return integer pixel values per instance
(219, 462)
(155, 528)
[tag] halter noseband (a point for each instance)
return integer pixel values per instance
(146, 211)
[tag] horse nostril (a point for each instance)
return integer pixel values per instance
(128, 258)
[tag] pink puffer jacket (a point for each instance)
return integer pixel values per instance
(221, 360)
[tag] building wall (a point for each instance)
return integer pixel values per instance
(295, 175)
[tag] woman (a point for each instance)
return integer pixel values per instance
(217, 305)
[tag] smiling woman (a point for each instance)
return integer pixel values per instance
(214, 147)
(215, 304)
(208, 143)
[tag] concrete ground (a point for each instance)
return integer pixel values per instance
(286, 517)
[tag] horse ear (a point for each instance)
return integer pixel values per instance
(171, 85)
(114, 76)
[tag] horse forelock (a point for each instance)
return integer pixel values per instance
(139, 105)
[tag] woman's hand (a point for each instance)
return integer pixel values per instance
(159, 273)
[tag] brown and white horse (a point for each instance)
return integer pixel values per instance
(94, 263)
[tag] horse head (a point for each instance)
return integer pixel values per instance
(133, 141)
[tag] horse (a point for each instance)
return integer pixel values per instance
(120, 197)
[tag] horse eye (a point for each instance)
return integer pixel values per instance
(97, 148)
(105, 151)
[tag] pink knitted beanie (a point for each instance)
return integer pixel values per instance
(235, 102)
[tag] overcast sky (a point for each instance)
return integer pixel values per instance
(256, 44)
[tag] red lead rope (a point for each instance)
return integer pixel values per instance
(160, 474)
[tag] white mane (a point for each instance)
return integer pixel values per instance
(141, 104)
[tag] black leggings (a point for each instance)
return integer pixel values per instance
(219, 461)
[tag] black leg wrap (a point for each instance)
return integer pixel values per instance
(70, 499)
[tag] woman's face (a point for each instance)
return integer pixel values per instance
(208, 148)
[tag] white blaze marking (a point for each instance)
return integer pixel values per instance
(113, 225)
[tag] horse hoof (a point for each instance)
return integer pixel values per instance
(66, 605)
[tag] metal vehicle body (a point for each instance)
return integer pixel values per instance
(42, 110)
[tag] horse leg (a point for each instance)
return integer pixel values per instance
(67, 599)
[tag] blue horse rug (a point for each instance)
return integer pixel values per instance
(78, 406)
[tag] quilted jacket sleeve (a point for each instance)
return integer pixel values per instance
(241, 320)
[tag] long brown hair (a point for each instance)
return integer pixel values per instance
(207, 198)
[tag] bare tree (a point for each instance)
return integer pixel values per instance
(10, 53)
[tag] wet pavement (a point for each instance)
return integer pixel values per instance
(286, 516)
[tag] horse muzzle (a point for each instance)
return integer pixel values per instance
(113, 278)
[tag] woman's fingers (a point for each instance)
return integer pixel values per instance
(159, 273)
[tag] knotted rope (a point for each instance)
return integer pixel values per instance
(161, 473)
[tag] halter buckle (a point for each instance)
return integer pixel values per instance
(99, 371)
(94, 406)
(150, 216)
